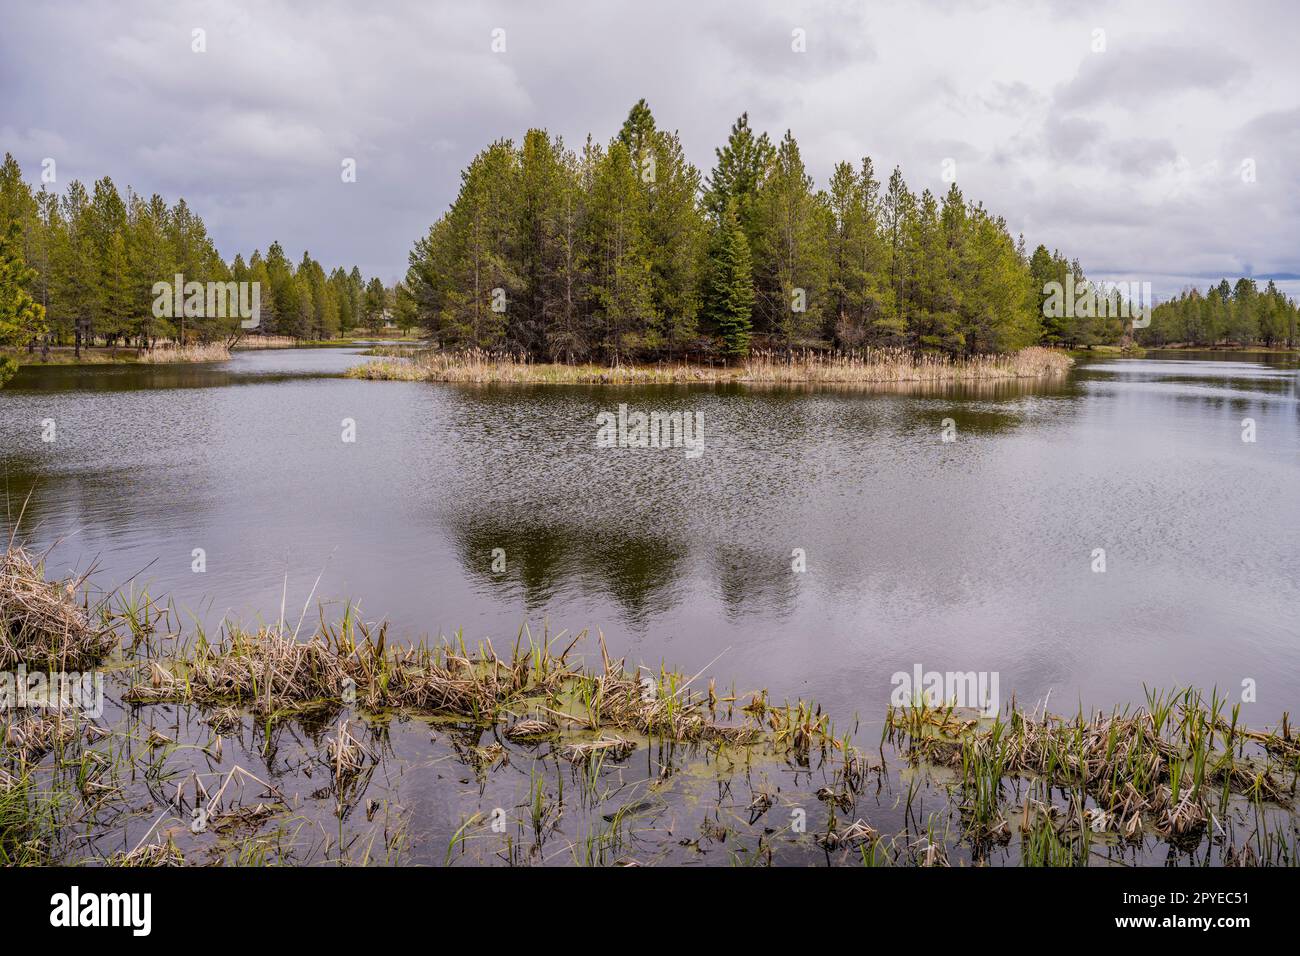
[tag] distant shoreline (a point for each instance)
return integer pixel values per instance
(167, 353)
(1270, 349)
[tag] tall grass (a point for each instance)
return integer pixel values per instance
(859, 366)
(211, 352)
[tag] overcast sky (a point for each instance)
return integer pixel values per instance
(1130, 158)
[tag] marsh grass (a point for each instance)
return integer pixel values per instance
(865, 366)
(276, 675)
(1170, 767)
(41, 622)
(209, 352)
(586, 753)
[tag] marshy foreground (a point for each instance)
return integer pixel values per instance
(296, 744)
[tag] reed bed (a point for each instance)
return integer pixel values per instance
(1171, 767)
(273, 673)
(209, 352)
(389, 370)
(41, 622)
(901, 365)
(396, 350)
(252, 342)
(865, 366)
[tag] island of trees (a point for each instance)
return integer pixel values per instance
(626, 250)
(617, 252)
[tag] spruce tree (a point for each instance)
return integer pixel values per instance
(729, 298)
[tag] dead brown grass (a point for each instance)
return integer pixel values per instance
(211, 352)
(865, 366)
(41, 622)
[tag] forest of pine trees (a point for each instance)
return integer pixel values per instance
(90, 257)
(1226, 314)
(627, 250)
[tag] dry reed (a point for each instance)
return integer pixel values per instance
(210, 352)
(41, 622)
(864, 366)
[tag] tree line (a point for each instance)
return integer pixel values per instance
(1225, 314)
(627, 250)
(90, 260)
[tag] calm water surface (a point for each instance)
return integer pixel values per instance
(970, 555)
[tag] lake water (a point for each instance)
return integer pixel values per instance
(971, 555)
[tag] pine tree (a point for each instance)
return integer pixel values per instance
(117, 305)
(742, 165)
(280, 293)
(857, 299)
(791, 260)
(76, 265)
(729, 296)
(616, 253)
(150, 261)
(545, 236)
(933, 319)
(675, 231)
(22, 319)
(376, 303)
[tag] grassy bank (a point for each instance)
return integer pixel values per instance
(277, 744)
(867, 366)
(97, 355)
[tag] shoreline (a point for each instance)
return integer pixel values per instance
(166, 354)
(123, 355)
(343, 706)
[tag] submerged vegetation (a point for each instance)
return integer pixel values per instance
(861, 366)
(270, 745)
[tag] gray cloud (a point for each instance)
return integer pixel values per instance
(1129, 160)
(1126, 77)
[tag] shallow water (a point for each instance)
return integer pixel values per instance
(971, 555)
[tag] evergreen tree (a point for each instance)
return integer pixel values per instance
(376, 303)
(857, 299)
(616, 253)
(742, 165)
(22, 319)
(791, 259)
(675, 232)
(729, 296)
(545, 233)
